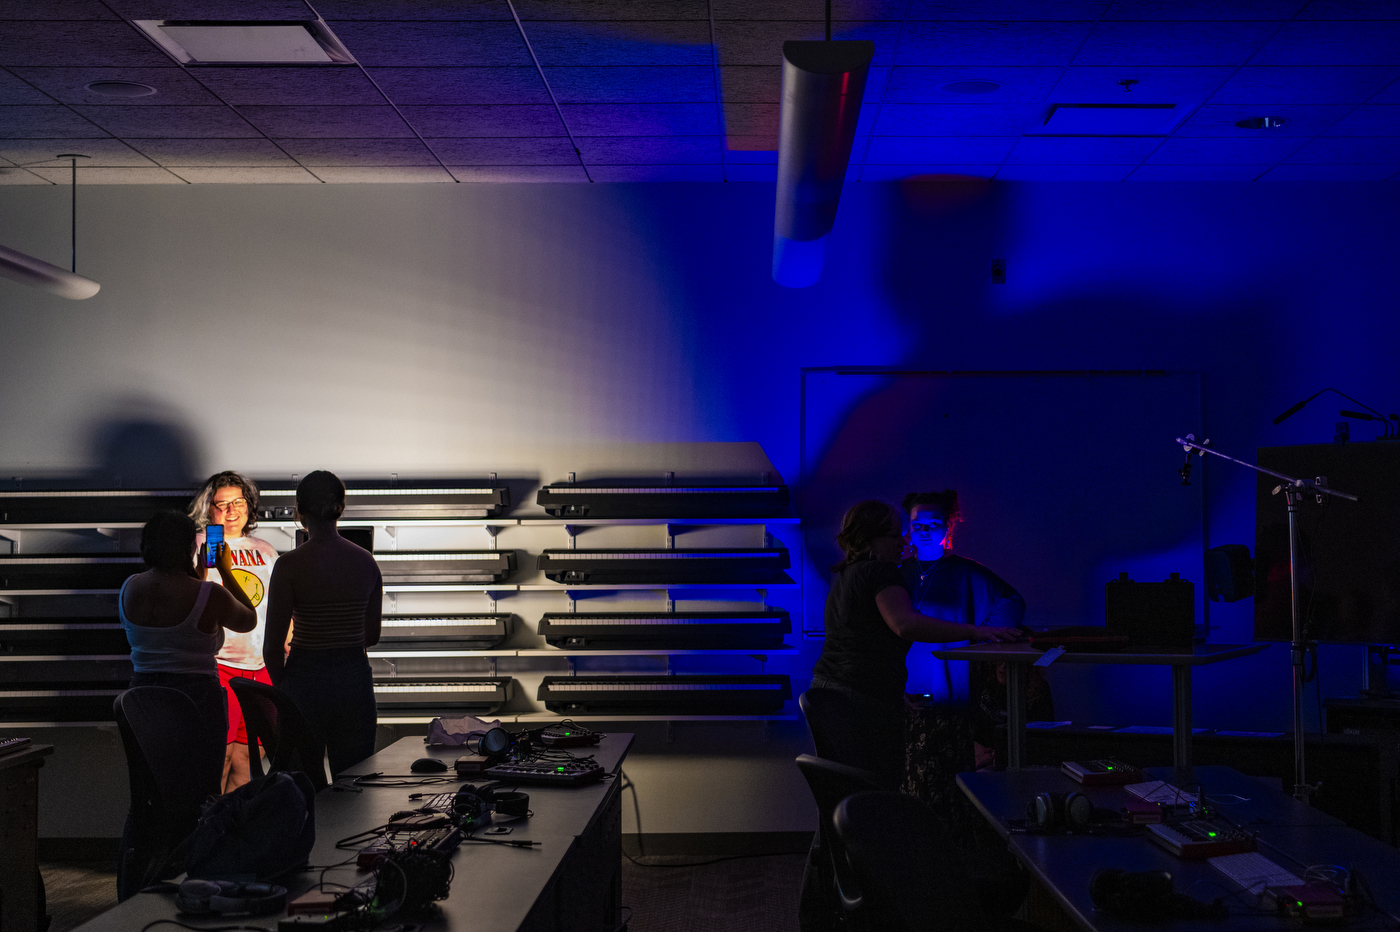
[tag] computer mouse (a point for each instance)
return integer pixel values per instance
(428, 765)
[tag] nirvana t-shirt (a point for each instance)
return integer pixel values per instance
(861, 652)
(252, 567)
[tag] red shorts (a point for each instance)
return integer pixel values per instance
(237, 731)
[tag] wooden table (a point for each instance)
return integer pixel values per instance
(19, 836)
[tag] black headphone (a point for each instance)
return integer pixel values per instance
(1147, 895)
(490, 743)
(1069, 812)
(230, 899)
(474, 803)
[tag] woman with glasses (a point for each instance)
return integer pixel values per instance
(231, 500)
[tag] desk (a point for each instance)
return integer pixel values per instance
(19, 836)
(1287, 829)
(572, 880)
(1018, 657)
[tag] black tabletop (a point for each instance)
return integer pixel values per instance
(1195, 656)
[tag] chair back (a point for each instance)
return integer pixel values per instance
(911, 875)
(830, 783)
(274, 721)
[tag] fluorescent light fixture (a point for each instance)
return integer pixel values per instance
(27, 270)
(280, 42)
(1109, 120)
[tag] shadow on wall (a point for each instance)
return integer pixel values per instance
(144, 445)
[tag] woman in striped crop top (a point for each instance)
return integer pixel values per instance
(334, 591)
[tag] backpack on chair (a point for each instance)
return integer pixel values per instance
(259, 832)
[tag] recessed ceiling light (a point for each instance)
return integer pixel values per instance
(121, 89)
(969, 87)
(1262, 123)
(282, 42)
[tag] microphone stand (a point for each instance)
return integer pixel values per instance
(1293, 490)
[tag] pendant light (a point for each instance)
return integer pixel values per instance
(27, 270)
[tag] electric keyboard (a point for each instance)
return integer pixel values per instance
(665, 630)
(446, 498)
(35, 634)
(1253, 871)
(665, 695)
(63, 701)
(89, 506)
(696, 498)
(483, 566)
(440, 632)
(548, 772)
(68, 570)
(1193, 839)
(729, 565)
(400, 694)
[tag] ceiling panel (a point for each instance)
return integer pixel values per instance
(20, 122)
(247, 175)
(1174, 44)
(1351, 9)
(106, 153)
(584, 44)
(213, 153)
(15, 91)
(1019, 172)
(752, 83)
(956, 119)
(92, 44)
(528, 120)
(768, 173)
(641, 119)
(615, 173)
(752, 145)
(1389, 95)
(906, 150)
(1003, 10)
(409, 87)
(911, 84)
(761, 43)
(530, 150)
(513, 173)
(1154, 85)
(69, 85)
(316, 86)
(210, 9)
(1354, 151)
(1211, 151)
(1369, 120)
(1203, 9)
(128, 175)
(999, 43)
(55, 9)
(370, 175)
(631, 85)
(154, 122)
(841, 10)
(1048, 150)
(896, 172)
(1303, 119)
(332, 10)
(752, 121)
(315, 152)
(1322, 43)
(649, 150)
(409, 44)
(1197, 172)
(1331, 172)
(11, 175)
(611, 9)
(1317, 85)
(326, 122)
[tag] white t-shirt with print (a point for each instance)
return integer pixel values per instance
(252, 567)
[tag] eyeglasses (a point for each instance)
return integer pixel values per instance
(926, 527)
(233, 504)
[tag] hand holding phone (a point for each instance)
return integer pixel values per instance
(213, 540)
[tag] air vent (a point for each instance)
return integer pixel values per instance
(1109, 120)
(283, 42)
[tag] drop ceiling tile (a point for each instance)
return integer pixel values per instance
(611, 9)
(749, 147)
(734, 172)
(1303, 85)
(920, 85)
(991, 43)
(20, 122)
(1051, 150)
(1390, 95)
(751, 84)
(897, 172)
(1351, 9)
(1355, 150)
(175, 122)
(384, 175)
(1368, 120)
(806, 10)
(211, 9)
(629, 173)
(431, 10)
(761, 43)
(595, 44)
(908, 150)
(59, 44)
(1011, 172)
(956, 119)
(1331, 172)
(126, 175)
(214, 153)
(1154, 85)
(346, 152)
(1327, 43)
(246, 175)
(55, 9)
(105, 153)
(408, 87)
(11, 175)
(1004, 10)
(631, 85)
(514, 173)
(734, 156)
(504, 120)
(15, 91)
(173, 86)
(530, 150)
(420, 45)
(1303, 119)
(1197, 172)
(751, 120)
(1219, 151)
(1174, 44)
(649, 150)
(1203, 10)
(641, 119)
(327, 122)
(290, 86)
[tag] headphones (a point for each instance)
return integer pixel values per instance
(1066, 812)
(230, 899)
(1147, 895)
(474, 803)
(490, 743)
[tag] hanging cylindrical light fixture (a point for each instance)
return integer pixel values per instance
(823, 85)
(27, 270)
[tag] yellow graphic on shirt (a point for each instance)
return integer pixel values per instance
(251, 585)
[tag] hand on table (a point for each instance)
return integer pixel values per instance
(990, 633)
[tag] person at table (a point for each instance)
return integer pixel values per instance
(871, 623)
(943, 584)
(175, 620)
(334, 590)
(231, 500)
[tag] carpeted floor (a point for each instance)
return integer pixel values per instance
(77, 891)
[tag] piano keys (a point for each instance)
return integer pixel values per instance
(400, 695)
(89, 507)
(443, 632)
(105, 571)
(443, 500)
(665, 630)
(458, 566)
(665, 695)
(737, 565)
(650, 499)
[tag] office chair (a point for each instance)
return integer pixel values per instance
(274, 721)
(169, 784)
(830, 892)
(911, 875)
